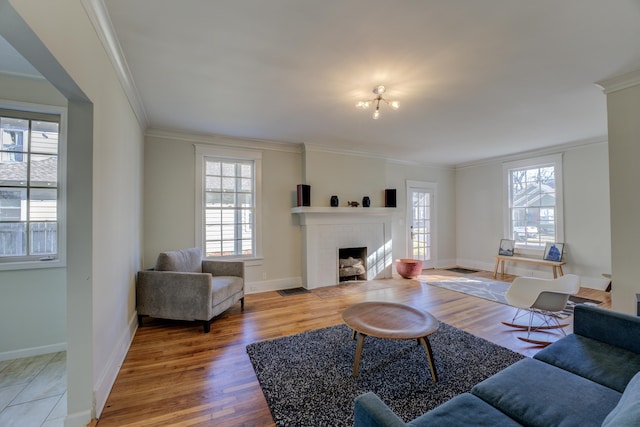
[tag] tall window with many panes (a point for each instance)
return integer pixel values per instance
(29, 186)
(534, 211)
(229, 207)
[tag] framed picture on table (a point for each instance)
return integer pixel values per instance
(553, 252)
(506, 247)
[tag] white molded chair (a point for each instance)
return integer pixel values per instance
(541, 299)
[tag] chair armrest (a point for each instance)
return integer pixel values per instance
(174, 295)
(608, 326)
(223, 268)
(370, 411)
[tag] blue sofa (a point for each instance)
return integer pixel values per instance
(588, 378)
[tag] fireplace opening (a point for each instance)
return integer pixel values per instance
(352, 264)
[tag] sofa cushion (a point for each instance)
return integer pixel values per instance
(370, 411)
(186, 261)
(627, 411)
(612, 327)
(600, 362)
(535, 393)
(464, 410)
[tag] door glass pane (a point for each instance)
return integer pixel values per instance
(421, 225)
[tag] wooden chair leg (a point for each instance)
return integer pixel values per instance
(207, 326)
(242, 303)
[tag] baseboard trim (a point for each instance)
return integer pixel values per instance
(34, 351)
(273, 285)
(108, 377)
(78, 419)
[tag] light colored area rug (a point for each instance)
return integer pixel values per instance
(495, 290)
(480, 287)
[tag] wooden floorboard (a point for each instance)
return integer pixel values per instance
(174, 374)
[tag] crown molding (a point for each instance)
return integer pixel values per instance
(554, 149)
(97, 13)
(622, 81)
(311, 147)
(225, 141)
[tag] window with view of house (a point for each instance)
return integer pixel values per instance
(229, 197)
(29, 186)
(534, 201)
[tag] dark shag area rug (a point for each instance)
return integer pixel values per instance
(306, 378)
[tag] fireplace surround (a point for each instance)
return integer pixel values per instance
(326, 230)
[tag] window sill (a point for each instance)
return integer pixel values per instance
(249, 262)
(31, 265)
(533, 253)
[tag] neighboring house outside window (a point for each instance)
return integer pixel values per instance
(534, 201)
(30, 187)
(228, 200)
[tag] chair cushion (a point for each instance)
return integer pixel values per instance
(627, 412)
(535, 393)
(225, 287)
(605, 364)
(185, 261)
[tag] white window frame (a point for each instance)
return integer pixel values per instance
(60, 259)
(554, 160)
(202, 153)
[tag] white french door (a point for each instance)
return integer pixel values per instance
(420, 222)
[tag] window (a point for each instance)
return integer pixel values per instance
(30, 148)
(534, 201)
(229, 197)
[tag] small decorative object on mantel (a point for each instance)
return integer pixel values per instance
(390, 198)
(334, 202)
(353, 204)
(366, 202)
(304, 195)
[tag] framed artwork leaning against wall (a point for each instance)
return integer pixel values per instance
(553, 251)
(507, 247)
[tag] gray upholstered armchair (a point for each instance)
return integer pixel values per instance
(183, 286)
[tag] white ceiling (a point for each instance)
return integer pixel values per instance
(475, 79)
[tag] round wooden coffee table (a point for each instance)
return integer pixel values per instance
(390, 320)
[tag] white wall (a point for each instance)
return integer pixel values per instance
(32, 302)
(104, 201)
(397, 175)
(169, 204)
(350, 177)
(480, 213)
(623, 108)
(169, 199)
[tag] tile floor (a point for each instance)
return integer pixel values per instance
(33, 391)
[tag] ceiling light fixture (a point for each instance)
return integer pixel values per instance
(378, 91)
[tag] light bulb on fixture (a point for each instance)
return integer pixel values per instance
(378, 91)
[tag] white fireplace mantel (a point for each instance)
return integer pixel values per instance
(327, 229)
(325, 215)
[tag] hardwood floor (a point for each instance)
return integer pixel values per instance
(174, 374)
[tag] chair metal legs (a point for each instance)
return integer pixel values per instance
(547, 321)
